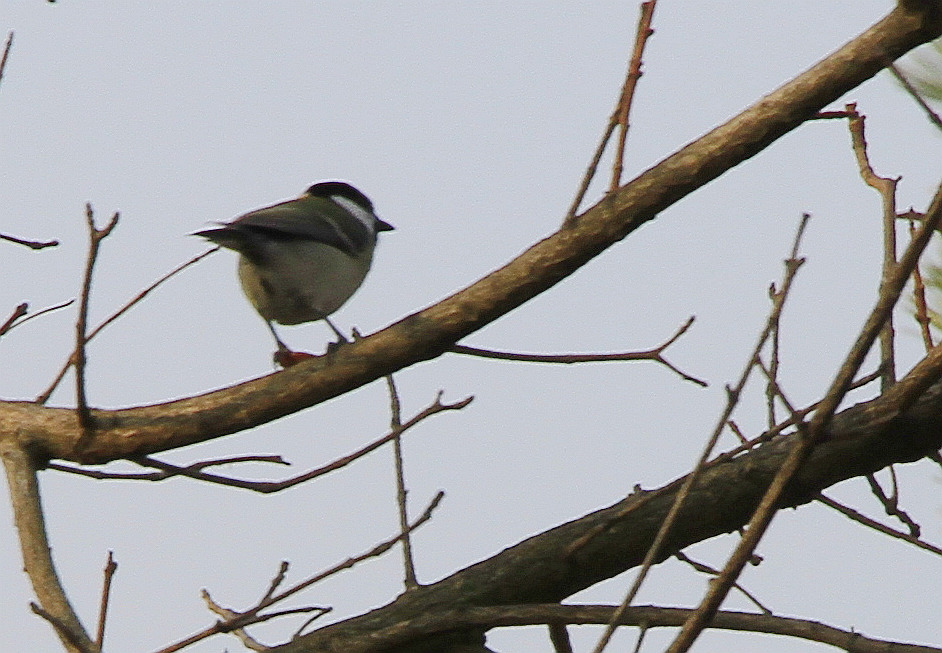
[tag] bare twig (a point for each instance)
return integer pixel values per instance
(590, 172)
(44, 397)
(195, 470)
(164, 474)
(887, 188)
(307, 622)
(792, 264)
(734, 427)
(95, 236)
(372, 553)
(110, 567)
(831, 115)
(32, 244)
(34, 543)
(615, 119)
(643, 497)
(642, 632)
(919, 299)
(796, 418)
(772, 382)
(17, 313)
(250, 642)
(48, 309)
(395, 424)
(803, 446)
(890, 502)
(877, 526)
(276, 582)
(247, 641)
(655, 354)
(268, 487)
(243, 619)
(21, 312)
(631, 82)
(68, 637)
(6, 54)
(933, 116)
(774, 391)
(707, 569)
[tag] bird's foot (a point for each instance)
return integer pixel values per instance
(287, 358)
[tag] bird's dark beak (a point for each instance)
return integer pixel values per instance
(382, 225)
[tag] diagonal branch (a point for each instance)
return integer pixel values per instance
(44, 397)
(429, 333)
(557, 563)
(890, 291)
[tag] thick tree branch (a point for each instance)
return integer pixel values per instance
(555, 564)
(427, 334)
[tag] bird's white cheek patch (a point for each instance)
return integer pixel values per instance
(354, 209)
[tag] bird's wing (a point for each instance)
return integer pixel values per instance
(312, 218)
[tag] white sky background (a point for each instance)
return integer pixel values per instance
(469, 125)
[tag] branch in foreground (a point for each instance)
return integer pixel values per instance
(934, 118)
(644, 32)
(792, 264)
(550, 566)
(425, 335)
(110, 568)
(6, 55)
(802, 447)
(395, 424)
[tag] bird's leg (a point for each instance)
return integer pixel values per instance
(282, 347)
(342, 338)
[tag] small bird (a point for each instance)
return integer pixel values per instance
(301, 260)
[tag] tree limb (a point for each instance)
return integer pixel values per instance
(144, 430)
(557, 563)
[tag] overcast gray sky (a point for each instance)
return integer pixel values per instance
(469, 125)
